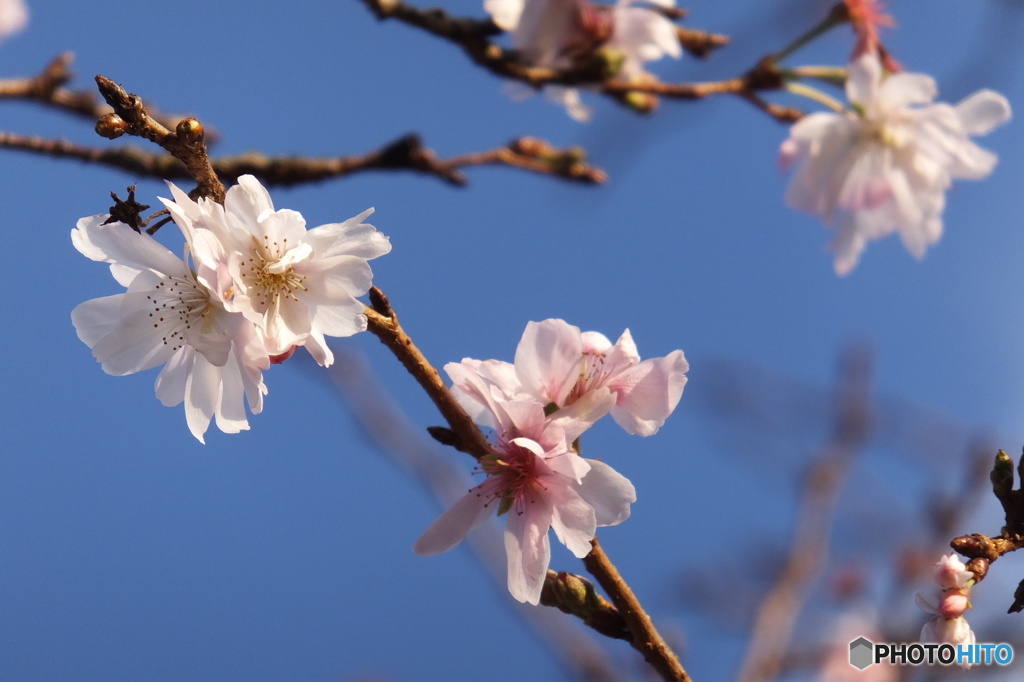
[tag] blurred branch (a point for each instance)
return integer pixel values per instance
(777, 616)
(47, 88)
(405, 153)
(473, 36)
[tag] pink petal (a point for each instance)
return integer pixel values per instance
(548, 359)
(448, 530)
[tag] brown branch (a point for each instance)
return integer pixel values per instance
(47, 88)
(645, 637)
(185, 144)
(406, 153)
(473, 36)
(700, 43)
(981, 549)
(575, 595)
(383, 323)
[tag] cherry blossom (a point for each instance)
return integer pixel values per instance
(213, 359)
(296, 285)
(538, 482)
(13, 17)
(948, 624)
(556, 33)
(557, 364)
(885, 166)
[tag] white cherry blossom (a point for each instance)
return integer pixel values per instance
(213, 359)
(885, 166)
(296, 285)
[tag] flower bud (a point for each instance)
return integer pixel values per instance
(190, 130)
(111, 126)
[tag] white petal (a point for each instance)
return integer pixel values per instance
(453, 525)
(573, 521)
(608, 492)
(983, 111)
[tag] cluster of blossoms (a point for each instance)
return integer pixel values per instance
(254, 285)
(948, 626)
(556, 33)
(885, 165)
(562, 381)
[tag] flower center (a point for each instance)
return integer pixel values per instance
(179, 306)
(516, 468)
(268, 273)
(592, 375)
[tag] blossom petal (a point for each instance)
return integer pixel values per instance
(649, 392)
(983, 111)
(528, 550)
(452, 526)
(548, 359)
(608, 492)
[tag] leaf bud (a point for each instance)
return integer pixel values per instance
(1002, 475)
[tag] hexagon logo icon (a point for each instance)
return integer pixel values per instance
(861, 651)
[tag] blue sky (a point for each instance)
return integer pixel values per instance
(128, 550)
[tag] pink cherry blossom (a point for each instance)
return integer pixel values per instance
(948, 624)
(885, 166)
(539, 483)
(557, 364)
(951, 572)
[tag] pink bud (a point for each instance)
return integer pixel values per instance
(953, 603)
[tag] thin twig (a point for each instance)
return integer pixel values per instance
(473, 36)
(383, 323)
(186, 144)
(406, 153)
(47, 88)
(646, 638)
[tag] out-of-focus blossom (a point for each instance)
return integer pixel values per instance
(539, 483)
(558, 33)
(296, 285)
(559, 366)
(885, 166)
(948, 626)
(13, 17)
(213, 359)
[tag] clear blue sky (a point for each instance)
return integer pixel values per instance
(130, 551)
